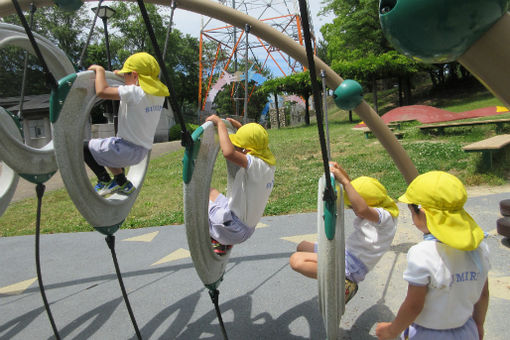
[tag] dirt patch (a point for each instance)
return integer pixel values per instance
(483, 190)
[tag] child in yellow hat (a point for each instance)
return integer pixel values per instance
(141, 103)
(448, 295)
(374, 229)
(232, 219)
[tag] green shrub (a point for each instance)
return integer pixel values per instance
(175, 131)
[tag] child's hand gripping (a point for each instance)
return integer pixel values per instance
(339, 173)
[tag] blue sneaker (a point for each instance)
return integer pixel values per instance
(126, 189)
(101, 186)
(109, 188)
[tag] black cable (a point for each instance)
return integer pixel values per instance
(186, 139)
(329, 193)
(214, 294)
(39, 189)
(33, 8)
(50, 79)
(110, 240)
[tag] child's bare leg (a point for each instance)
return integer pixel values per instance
(213, 194)
(306, 246)
(115, 171)
(304, 263)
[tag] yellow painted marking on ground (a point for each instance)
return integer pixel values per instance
(261, 225)
(17, 288)
(501, 109)
(176, 255)
(499, 286)
(298, 238)
(143, 238)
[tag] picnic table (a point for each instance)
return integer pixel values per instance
(488, 147)
(440, 127)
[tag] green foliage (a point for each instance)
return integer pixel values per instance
(386, 65)
(64, 29)
(175, 131)
(355, 32)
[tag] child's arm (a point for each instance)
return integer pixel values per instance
(102, 89)
(236, 124)
(358, 204)
(408, 312)
(227, 148)
(480, 309)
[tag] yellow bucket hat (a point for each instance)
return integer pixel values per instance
(254, 138)
(442, 197)
(148, 71)
(374, 193)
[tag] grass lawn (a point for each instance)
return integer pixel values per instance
(299, 166)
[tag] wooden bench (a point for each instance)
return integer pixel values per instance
(440, 127)
(368, 133)
(488, 147)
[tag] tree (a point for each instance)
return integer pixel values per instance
(359, 50)
(129, 36)
(65, 29)
(297, 83)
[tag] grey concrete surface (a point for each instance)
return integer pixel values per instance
(260, 297)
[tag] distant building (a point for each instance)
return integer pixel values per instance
(37, 128)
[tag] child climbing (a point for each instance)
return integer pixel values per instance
(374, 229)
(141, 103)
(232, 219)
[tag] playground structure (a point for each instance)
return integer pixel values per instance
(286, 44)
(235, 47)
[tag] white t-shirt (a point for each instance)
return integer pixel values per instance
(454, 278)
(250, 191)
(138, 115)
(370, 240)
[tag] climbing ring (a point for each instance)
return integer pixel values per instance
(331, 261)
(104, 214)
(35, 165)
(197, 183)
(8, 178)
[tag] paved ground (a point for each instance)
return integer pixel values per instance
(261, 297)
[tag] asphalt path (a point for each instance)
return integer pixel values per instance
(260, 296)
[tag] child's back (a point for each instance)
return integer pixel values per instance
(455, 279)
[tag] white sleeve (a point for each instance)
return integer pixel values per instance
(129, 94)
(384, 216)
(417, 271)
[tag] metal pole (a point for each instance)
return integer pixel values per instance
(236, 85)
(245, 120)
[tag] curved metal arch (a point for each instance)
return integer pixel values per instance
(209, 266)
(104, 214)
(8, 178)
(331, 264)
(36, 165)
(289, 46)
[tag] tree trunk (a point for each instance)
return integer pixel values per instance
(307, 111)
(277, 110)
(350, 116)
(374, 94)
(400, 94)
(407, 90)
